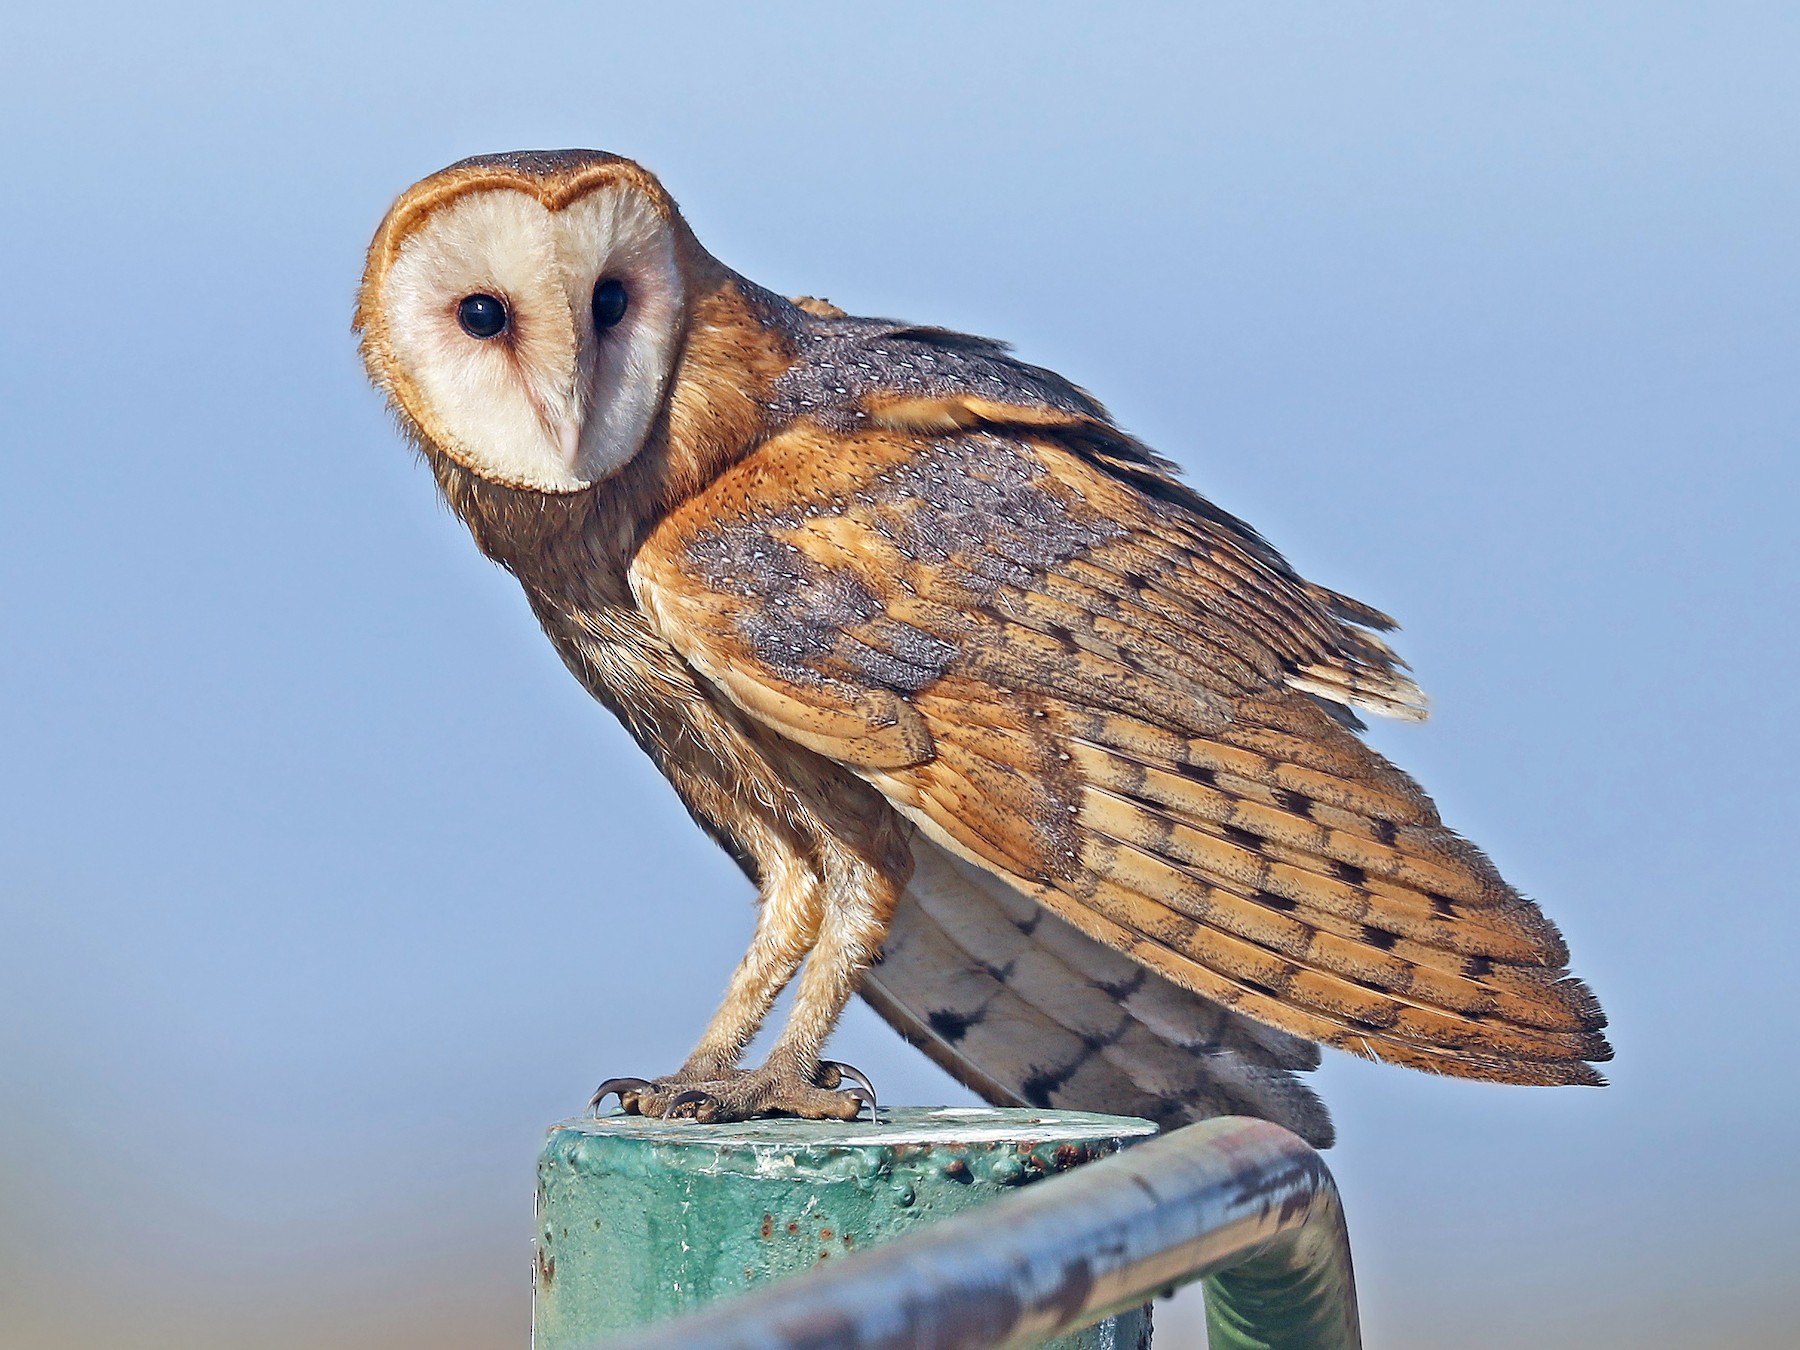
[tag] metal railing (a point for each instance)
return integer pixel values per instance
(1241, 1203)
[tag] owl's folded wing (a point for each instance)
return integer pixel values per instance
(1074, 674)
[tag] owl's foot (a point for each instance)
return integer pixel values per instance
(745, 1094)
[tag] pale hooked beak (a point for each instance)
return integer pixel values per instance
(568, 440)
(563, 415)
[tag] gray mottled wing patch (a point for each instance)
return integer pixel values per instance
(974, 506)
(839, 362)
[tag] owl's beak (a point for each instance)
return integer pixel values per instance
(563, 415)
(568, 440)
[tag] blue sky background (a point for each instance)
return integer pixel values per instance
(323, 888)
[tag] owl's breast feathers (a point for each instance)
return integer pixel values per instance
(948, 572)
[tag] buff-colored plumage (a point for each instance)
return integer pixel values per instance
(1045, 751)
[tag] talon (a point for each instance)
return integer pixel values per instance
(688, 1098)
(615, 1086)
(856, 1076)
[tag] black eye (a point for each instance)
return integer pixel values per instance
(609, 303)
(482, 316)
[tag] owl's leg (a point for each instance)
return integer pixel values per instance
(857, 903)
(850, 910)
(787, 925)
(831, 867)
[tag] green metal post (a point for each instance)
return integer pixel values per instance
(640, 1220)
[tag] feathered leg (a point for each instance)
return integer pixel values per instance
(859, 905)
(833, 914)
(787, 926)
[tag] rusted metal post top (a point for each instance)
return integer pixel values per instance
(1240, 1201)
(641, 1220)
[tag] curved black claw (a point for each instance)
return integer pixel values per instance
(620, 1086)
(692, 1098)
(857, 1076)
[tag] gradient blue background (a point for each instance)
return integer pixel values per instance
(323, 888)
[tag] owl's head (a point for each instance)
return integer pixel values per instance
(525, 311)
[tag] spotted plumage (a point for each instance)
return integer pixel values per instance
(1052, 758)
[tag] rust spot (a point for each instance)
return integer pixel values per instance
(824, 1235)
(824, 1256)
(957, 1170)
(1067, 1156)
(793, 1227)
(546, 1265)
(768, 1227)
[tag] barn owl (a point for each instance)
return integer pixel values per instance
(1051, 759)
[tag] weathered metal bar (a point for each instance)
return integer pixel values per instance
(1242, 1201)
(1296, 1293)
